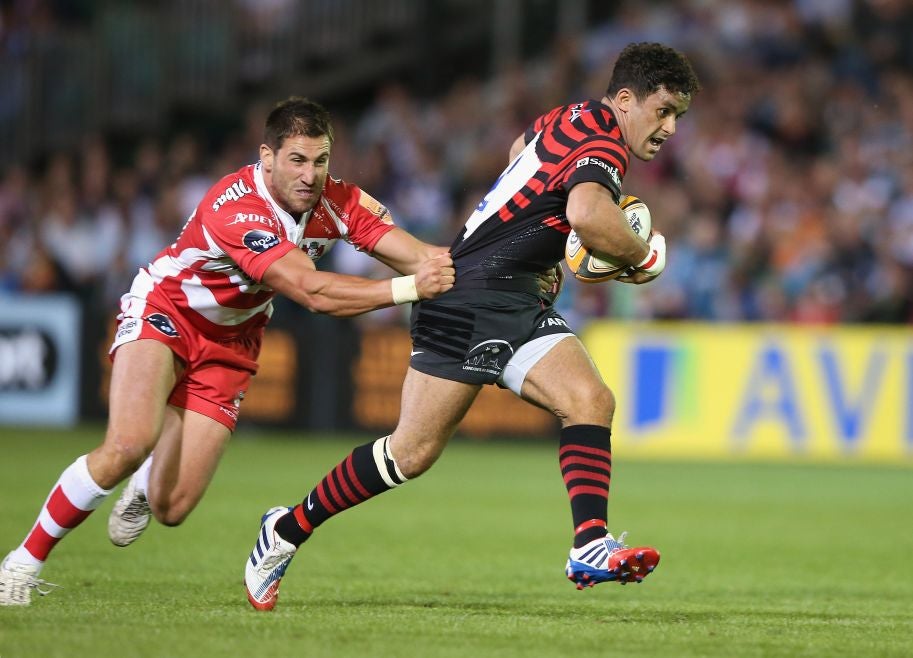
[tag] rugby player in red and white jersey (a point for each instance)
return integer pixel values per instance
(565, 173)
(191, 326)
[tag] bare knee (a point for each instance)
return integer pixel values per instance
(415, 463)
(593, 405)
(116, 459)
(414, 458)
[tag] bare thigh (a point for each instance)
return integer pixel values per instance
(430, 412)
(142, 377)
(184, 463)
(566, 383)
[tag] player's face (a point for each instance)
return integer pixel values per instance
(650, 122)
(295, 174)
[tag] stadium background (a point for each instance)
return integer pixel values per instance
(780, 330)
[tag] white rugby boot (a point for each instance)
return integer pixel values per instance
(267, 562)
(17, 581)
(129, 516)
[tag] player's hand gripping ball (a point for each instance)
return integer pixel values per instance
(593, 267)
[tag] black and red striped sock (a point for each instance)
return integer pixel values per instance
(585, 454)
(369, 470)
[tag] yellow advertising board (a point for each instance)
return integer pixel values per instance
(758, 391)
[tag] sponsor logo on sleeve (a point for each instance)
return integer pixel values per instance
(602, 164)
(375, 207)
(259, 241)
(231, 193)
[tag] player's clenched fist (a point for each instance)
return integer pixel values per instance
(435, 276)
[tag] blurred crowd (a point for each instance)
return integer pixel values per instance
(786, 196)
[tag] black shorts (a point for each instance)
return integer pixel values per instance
(470, 335)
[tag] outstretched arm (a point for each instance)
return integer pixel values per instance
(295, 276)
(403, 252)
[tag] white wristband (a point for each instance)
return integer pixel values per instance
(404, 289)
(655, 262)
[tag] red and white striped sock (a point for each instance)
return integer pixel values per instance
(71, 500)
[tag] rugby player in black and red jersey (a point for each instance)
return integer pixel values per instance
(190, 329)
(493, 327)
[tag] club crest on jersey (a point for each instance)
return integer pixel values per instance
(231, 193)
(259, 241)
(162, 322)
(576, 111)
(314, 249)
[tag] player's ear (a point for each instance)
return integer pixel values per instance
(624, 99)
(266, 157)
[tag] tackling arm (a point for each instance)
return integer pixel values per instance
(295, 276)
(403, 252)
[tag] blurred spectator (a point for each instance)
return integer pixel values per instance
(790, 198)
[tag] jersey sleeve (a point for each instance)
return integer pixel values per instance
(368, 221)
(250, 236)
(601, 160)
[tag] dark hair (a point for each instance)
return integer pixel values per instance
(645, 67)
(296, 116)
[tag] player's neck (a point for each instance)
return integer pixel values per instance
(620, 116)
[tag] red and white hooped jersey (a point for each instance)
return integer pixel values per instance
(211, 275)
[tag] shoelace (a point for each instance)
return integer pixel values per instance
(275, 556)
(136, 508)
(22, 582)
(272, 561)
(49, 587)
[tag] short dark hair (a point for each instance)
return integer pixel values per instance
(645, 67)
(296, 116)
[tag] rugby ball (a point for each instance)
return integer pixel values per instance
(593, 267)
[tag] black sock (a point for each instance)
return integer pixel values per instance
(585, 454)
(369, 470)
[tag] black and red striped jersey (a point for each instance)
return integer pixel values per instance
(520, 227)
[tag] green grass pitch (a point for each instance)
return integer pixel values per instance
(757, 560)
